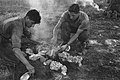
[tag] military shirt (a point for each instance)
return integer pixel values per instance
(13, 29)
(75, 24)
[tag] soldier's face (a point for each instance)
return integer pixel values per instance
(73, 15)
(30, 23)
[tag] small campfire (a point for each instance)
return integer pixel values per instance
(54, 57)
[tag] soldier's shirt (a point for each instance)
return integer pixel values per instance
(13, 29)
(75, 24)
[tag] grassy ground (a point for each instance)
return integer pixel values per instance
(101, 61)
(9, 8)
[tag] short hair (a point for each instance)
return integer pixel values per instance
(34, 15)
(74, 8)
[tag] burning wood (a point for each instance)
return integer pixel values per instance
(54, 65)
(51, 55)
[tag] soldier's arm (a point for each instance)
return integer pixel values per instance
(84, 25)
(16, 44)
(55, 30)
(75, 36)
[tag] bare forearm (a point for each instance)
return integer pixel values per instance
(84, 24)
(20, 56)
(55, 30)
(72, 39)
(75, 36)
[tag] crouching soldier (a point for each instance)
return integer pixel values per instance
(73, 21)
(11, 35)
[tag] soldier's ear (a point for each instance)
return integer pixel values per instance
(27, 18)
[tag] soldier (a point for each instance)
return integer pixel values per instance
(12, 31)
(73, 21)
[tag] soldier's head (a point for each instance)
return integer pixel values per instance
(74, 11)
(32, 17)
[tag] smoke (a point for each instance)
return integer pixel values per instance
(88, 2)
(48, 9)
(42, 30)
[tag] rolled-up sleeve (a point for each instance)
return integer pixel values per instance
(16, 35)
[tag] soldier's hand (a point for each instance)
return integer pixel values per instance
(64, 47)
(24, 54)
(30, 69)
